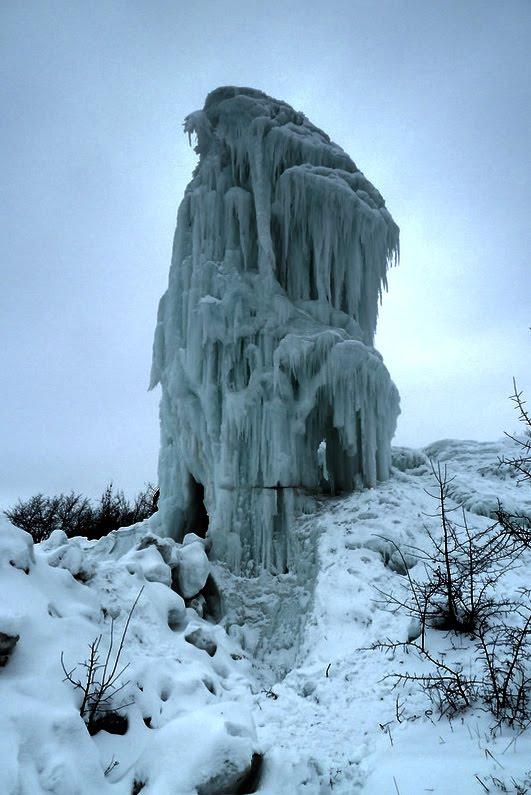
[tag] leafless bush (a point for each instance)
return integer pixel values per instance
(499, 680)
(448, 687)
(40, 515)
(520, 463)
(100, 683)
(504, 652)
(518, 525)
(461, 566)
(76, 516)
(457, 593)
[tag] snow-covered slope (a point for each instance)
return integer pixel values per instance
(291, 677)
(329, 723)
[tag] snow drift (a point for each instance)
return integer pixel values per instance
(271, 386)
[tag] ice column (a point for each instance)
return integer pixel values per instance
(271, 387)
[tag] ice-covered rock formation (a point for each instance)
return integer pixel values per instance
(271, 387)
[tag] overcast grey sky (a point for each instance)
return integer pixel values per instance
(431, 99)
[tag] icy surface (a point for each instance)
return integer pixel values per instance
(271, 387)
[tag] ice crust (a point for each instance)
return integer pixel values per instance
(264, 339)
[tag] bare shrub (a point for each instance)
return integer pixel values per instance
(100, 683)
(37, 516)
(461, 566)
(504, 652)
(499, 680)
(520, 463)
(77, 516)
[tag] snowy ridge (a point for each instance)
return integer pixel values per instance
(263, 345)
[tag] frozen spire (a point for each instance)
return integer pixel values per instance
(271, 388)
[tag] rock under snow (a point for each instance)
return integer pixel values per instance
(202, 640)
(164, 546)
(192, 538)
(149, 563)
(192, 569)
(7, 644)
(211, 748)
(69, 555)
(16, 547)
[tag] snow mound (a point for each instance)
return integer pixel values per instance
(271, 386)
(183, 725)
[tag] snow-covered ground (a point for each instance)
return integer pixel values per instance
(282, 668)
(329, 722)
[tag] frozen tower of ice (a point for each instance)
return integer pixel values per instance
(271, 387)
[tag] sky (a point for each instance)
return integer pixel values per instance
(431, 99)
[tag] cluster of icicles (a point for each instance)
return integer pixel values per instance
(271, 389)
